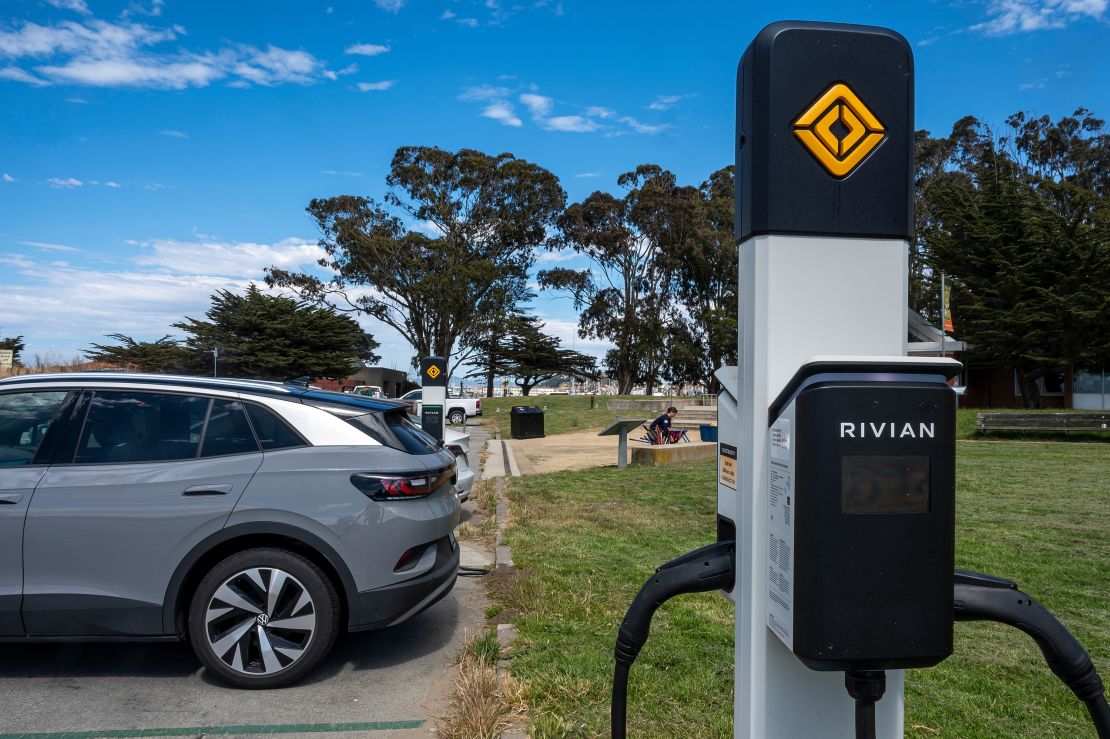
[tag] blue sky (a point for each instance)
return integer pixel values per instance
(154, 151)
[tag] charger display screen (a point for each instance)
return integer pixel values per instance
(884, 484)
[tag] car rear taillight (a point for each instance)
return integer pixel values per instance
(400, 487)
(477, 405)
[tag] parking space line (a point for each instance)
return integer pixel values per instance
(222, 730)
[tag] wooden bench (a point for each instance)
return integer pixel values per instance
(1042, 421)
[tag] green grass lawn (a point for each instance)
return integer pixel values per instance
(564, 414)
(586, 541)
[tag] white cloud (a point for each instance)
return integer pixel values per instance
(16, 74)
(390, 6)
(447, 15)
(639, 127)
(48, 247)
(1015, 16)
(113, 185)
(77, 101)
(142, 293)
(1034, 85)
(8, 178)
(77, 6)
(67, 183)
(173, 134)
(541, 108)
(227, 259)
(338, 173)
(276, 66)
(469, 22)
(103, 54)
(570, 124)
(329, 10)
(367, 49)
(428, 228)
(155, 9)
(548, 257)
(588, 174)
(479, 93)
(539, 105)
(502, 112)
(369, 86)
(666, 102)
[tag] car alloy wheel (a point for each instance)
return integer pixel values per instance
(263, 618)
(456, 417)
(260, 621)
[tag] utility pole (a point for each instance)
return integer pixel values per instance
(215, 351)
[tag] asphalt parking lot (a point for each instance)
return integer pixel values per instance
(388, 683)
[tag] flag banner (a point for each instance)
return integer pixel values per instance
(948, 327)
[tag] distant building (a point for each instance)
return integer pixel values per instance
(394, 383)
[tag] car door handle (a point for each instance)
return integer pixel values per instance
(10, 498)
(208, 490)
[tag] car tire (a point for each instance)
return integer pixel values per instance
(456, 417)
(263, 618)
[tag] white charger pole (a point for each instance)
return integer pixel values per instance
(824, 146)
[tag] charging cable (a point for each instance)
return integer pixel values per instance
(712, 567)
(979, 597)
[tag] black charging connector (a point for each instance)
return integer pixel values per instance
(712, 567)
(978, 597)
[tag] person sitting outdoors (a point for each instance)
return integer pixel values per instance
(661, 427)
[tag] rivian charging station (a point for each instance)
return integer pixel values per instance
(433, 379)
(836, 452)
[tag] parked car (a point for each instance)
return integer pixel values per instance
(255, 519)
(459, 445)
(458, 409)
(372, 390)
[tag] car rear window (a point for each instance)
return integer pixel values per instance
(272, 432)
(394, 429)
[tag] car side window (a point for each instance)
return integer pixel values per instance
(141, 427)
(25, 419)
(228, 431)
(272, 432)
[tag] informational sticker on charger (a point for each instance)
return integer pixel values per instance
(780, 529)
(780, 439)
(726, 465)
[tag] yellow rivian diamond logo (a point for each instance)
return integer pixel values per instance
(839, 130)
(434, 372)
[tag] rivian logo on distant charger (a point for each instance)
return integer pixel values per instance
(839, 130)
(433, 372)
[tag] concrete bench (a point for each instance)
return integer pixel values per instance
(1042, 422)
(655, 456)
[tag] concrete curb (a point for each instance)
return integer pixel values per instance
(510, 460)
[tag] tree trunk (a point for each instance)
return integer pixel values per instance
(489, 381)
(624, 384)
(1030, 392)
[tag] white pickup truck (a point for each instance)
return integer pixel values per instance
(457, 409)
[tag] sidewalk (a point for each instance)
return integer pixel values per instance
(576, 451)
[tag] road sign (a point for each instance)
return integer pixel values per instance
(7, 359)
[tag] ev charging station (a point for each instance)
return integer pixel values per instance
(433, 380)
(836, 451)
(824, 167)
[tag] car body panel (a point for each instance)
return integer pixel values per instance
(17, 484)
(99, 533)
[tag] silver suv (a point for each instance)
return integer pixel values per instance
(255, 519)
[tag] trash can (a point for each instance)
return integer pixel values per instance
(526, 422)
(708, 432)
